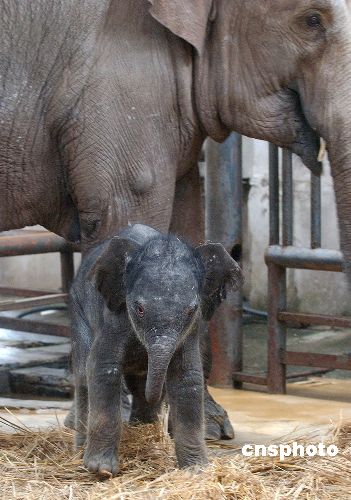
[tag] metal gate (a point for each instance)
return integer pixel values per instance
(224, 223)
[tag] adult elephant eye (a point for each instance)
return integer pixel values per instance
(314, 21)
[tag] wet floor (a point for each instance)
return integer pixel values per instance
(308, 408)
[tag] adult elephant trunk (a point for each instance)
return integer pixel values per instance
(336, 130)
(326, 101)
(340, 158)
(159, 357)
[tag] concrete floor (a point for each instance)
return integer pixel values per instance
(307, 410)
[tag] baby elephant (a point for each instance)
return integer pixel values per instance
(136, 305)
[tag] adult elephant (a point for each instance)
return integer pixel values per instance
(105, 105)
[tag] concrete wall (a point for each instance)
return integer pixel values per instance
(308, 291)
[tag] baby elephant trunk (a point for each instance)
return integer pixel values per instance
(158, 360)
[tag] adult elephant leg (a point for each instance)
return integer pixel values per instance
(188, 221)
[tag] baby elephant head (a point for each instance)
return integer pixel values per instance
(164, 286)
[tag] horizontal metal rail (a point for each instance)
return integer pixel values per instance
(249, 379)
(26, 325)
(262, 379)
(308, 373)
(32, 242)
(305, 258)
(44, 300)
(23, 292)
(332, 361)
(314, 319)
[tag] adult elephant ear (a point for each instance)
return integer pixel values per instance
(187, 19)
(221, 272)
(108, 273)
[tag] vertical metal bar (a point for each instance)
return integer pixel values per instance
(273, 195)
(276, 377)
(67, 270)
(236, 299)
(316, 225)
(223, 222)
(288, 206)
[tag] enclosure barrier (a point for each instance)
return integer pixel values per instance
(30, 242)
(281, 255)
(224, 223)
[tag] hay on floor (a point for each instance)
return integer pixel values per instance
(43, 465)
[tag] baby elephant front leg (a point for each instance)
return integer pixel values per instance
(104, 422)
(185, 387)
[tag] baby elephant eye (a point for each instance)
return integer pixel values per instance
(190, 311)
(140, 310)
(314, 21)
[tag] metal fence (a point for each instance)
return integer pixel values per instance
(224, 223)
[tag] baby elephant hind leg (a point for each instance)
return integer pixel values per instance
(218, 425)
(142, 411)
(81, 413)
(70, 419)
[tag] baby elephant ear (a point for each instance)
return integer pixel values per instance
(108, 272)
(221, 272)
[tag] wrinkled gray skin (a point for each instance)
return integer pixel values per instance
(104, 106)
(136, 306)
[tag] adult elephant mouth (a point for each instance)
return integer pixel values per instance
(307, 144)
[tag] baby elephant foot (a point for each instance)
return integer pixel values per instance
(104, 463)
(217, 422)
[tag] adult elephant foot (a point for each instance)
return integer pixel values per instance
(217, 422)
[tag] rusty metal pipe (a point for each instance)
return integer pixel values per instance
(305, 258)
(274, 237)
(223, 216)
(288, 203)
(26, 325)
(29, 243)
(316, 203)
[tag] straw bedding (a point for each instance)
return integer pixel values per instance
(43, 465)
